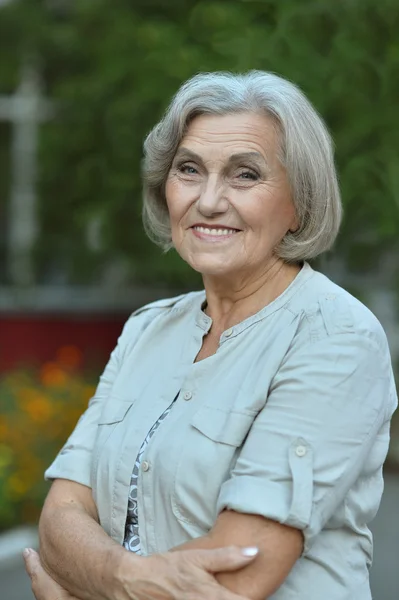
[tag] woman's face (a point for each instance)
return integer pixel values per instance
(228, 195)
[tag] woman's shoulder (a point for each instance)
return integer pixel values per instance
(329, 309)
(143, 316)
(181, 302)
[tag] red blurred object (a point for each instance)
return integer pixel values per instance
(31, 340)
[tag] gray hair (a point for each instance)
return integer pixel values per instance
(306, 154)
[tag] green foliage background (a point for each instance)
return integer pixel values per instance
(112, 68)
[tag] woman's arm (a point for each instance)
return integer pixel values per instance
(74, 549)
(89, 565)
(279, 548)
(84, 560)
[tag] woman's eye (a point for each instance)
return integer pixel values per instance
(187, 169)
(248, 175)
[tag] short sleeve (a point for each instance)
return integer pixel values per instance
(74, 459)
(308, 445)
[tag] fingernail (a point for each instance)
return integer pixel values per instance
(26, 552)
(251, 551)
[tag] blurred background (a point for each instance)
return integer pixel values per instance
(81, 83)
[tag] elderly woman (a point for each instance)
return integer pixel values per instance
(235, 443)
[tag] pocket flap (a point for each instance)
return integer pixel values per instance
(114, 411)
(228, 427)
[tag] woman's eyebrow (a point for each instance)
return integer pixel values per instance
(253, 156)
(187, 155)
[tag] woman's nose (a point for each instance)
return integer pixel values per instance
(212, 199)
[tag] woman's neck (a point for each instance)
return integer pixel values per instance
(229, 303)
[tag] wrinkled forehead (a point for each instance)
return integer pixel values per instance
(223, 137)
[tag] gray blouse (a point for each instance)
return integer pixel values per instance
(289, 419)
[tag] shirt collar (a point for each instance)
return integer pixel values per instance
(205, 322)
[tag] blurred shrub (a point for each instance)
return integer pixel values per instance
(38, 411)
(113, 67)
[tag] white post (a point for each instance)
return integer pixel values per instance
(25, 110)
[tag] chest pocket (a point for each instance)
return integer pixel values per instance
(208, 452)
(114, 411)
(226, 427)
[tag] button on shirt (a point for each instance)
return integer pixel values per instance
(289, 419)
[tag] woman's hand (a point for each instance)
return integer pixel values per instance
(170, 576)
(43, 586)
(181, 575)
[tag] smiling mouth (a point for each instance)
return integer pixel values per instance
(215, 232)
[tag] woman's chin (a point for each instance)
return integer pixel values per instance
(212, 269)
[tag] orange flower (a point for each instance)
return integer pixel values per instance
(70, 357)
(26, 395)
(52, 375)
(39, 409)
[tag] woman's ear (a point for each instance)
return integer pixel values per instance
(294, 226)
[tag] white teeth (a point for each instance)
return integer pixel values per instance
(215, 231)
